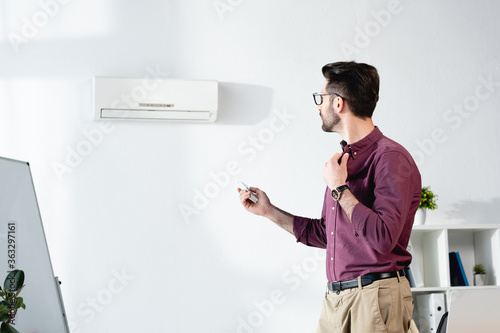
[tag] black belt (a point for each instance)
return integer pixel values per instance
(365, 280)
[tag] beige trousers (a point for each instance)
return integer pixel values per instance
(385, 306)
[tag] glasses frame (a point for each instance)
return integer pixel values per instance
(324, 94)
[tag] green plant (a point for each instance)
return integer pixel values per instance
(479, 269)
(14, 283)
(428, 199)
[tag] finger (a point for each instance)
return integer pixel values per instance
(335, 159)
(244, 196)
(242, 192)
(345, 157)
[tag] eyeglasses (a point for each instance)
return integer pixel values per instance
(318, 97)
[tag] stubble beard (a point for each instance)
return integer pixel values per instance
(330, 124)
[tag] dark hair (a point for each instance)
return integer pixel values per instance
(358, 83)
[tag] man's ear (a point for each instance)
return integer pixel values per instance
(340, 105)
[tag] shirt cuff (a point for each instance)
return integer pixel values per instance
(299, 227)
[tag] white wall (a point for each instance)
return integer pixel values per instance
(117, 210)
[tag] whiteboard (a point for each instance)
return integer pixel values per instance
(19, 212)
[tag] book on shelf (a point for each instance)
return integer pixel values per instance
(457, 273)
(413, 271)
(462, 271)
(409, 276)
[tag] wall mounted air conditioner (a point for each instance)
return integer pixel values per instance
(155, 99)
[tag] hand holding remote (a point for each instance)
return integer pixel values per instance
(253, 195)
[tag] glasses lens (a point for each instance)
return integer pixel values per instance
(318, 99)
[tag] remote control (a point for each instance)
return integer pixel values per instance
(253, 196)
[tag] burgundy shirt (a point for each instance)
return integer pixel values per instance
(384, 178)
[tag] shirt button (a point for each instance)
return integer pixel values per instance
(331, 258)
(333, 208)
(355, 153)
(332, 233)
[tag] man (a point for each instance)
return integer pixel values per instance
(373, 191)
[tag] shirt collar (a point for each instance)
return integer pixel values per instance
(359, 146)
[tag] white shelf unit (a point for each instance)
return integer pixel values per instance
(476, 244)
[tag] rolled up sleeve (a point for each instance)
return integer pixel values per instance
(309, 231)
